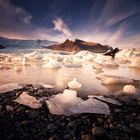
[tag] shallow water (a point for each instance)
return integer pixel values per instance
(59, 78)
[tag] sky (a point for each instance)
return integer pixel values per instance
(111, 22)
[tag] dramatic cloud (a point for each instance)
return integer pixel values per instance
(60, 26)
(112, 22)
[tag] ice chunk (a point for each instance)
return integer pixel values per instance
(67, 103)
(16, 58)
(52, 65)
(28, 100)
(108, 100)
(109, 79)
(81, 53)
(129, 89)
(135, 62)
(74, 84)
(61, 103)
(46, 85)
(89, 57)
(91, 106)
(110, 64)
(18, 68)
(24, 61)
(9, 87)
(75, 65)
(127, 53)
(97, 66)
(33, 55)
(102, 58)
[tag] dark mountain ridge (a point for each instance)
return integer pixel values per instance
(79, 45)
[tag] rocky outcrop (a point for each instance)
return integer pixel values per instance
(66, 46)
(79, 45)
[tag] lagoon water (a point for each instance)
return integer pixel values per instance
(34, 70)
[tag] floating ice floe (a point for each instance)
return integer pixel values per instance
(102, 98)
(97, 66)
(129, 89)
(28, 100)
(102, 58)
(17, 68)
(89, 57)
(16, 59)
(33, 55)
(110, 64)
(9, 87)
(67, 103)
(74, 84)
(109, 79)
(24, 61)
(52, 65)
(127, 53)
(135, 63)
(72, 65)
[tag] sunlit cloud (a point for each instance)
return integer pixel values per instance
(60, 26)
(113, 26)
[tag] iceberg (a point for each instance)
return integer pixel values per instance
(109, 79)
(110, 64)
(28, 100)
(97, 66)
(75, 65)
(24, 61)
(129, 89)
(18, 68)
(52, 65)
(135, 63)
(74, 84)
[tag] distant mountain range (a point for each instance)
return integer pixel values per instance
(79, 45)
(68, 45)
(21, 44)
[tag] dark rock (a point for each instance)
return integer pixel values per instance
(85, 137)
(34, 114)
(135, 126)
(98, 132)
(20, 109)
(9, 108)
(112, 52)
(52, 126)
(100, 120)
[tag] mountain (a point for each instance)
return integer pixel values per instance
(18, 43)
(79, 45)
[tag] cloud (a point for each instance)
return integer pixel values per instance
(60, 26)
(16, 22)
(12, 15)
